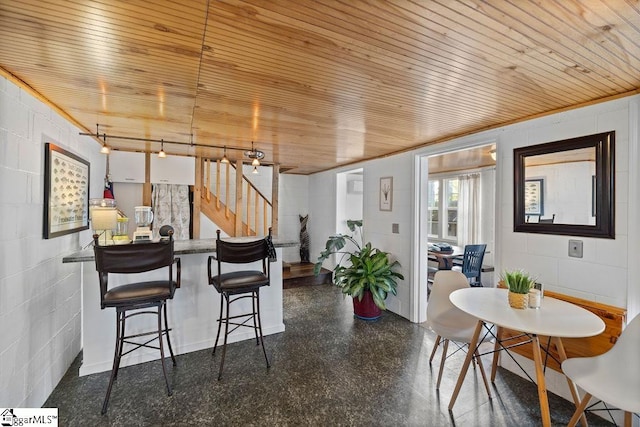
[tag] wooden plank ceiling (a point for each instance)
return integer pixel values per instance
(316, 84)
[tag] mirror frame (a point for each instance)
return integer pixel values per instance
(604, 144)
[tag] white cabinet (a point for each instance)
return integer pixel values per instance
(126, 166)
(129, 167)
(173, 170)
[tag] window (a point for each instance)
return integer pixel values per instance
(443, 209)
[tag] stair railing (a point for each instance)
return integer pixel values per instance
(251, 210)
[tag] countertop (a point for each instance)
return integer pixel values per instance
(182, 247)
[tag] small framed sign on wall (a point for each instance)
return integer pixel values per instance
(534, 197)
(386, 193)
(66, 192)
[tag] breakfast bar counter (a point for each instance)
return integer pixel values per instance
(193, 312)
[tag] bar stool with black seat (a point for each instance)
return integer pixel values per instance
(238, 285)
(136, 298)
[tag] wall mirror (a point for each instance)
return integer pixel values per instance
(566, 187)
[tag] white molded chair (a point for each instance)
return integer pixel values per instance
(448, 321)
(612, 377)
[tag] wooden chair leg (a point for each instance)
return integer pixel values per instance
(579, 410)
(435, 348)
(484, 375)
(445, 347)
(496, 354)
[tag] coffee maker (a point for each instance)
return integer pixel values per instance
(144, 218)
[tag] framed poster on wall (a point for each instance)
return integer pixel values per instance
(386, 193)
(534, 197)
(66, 192)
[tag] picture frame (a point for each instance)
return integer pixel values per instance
(534, 196)
(66, 192)
(593, 195)
(386, 193)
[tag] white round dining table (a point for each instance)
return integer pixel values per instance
(555, 318)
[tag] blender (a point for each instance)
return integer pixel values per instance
(144, 218)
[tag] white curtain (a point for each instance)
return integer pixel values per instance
(171, 207)
(469, 209)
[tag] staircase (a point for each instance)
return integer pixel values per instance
(238, 208)
(301, 274)
(232, 202)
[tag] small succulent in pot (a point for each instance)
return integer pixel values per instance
(518, 281)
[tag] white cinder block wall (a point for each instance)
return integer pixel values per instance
(39, 295)
(602, 274)
(607, 273)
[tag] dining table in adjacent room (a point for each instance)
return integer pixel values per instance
(555, 319)
(445, 258)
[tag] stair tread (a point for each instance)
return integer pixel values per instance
(301, 274)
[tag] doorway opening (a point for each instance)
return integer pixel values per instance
(456, 206)
(349, 198)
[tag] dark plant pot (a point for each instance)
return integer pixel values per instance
(366, 309)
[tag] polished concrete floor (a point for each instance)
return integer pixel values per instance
(327, 369)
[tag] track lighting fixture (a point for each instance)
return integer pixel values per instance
(254, 154)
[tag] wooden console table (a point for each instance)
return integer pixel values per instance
(613, 317)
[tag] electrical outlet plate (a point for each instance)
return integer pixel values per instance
(575, 248)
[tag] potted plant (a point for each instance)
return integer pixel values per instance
(519, 283)
(365, 273)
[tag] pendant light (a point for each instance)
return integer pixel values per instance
(162, 154)
(254, 154)
(105, 148)
(224, 156)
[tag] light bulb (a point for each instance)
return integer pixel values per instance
(255, 163)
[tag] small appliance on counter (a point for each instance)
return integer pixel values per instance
(103, 215)
(108, 222)
(100, 204)
(121, 235)
(144, 218)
